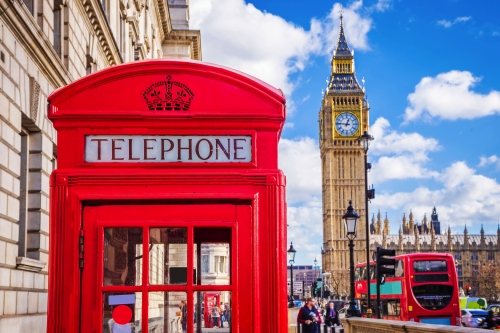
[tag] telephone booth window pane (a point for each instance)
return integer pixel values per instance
(215, 263)
(215, 309)
(167, 311)
(121, 312)
(212, 256)
(168, 256)
(122, 257)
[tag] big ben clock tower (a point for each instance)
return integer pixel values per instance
(343, 118)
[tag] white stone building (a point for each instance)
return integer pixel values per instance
(46, 44)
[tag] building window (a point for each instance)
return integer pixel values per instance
(220, 264)
(458, 256)
(31, 6)
(23, 198)
(459, 270)
(475, 270)
(474, 256)
(491, 256)
(204, 263)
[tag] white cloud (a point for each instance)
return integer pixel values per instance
(449, 96)
(300, 160)
(402, 155)
(356, 27)
(463, 196)
(305, 229)
(239, 35)
(382, 5)
(448, 24)
(493, 159)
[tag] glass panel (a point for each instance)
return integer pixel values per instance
(122, 257)
(167, 312)
(121, 312)
(215, 263)
(433, 296)
(215, 309)
(430, 266)
(167, 256)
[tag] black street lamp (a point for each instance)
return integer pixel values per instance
(365, 140)
(291, 260)
(350, 220)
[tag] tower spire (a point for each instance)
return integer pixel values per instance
(342, 50)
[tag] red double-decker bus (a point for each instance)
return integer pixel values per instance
(424, 289)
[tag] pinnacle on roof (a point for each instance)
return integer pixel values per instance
(342, 50)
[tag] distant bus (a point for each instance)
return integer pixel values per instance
(424, 289)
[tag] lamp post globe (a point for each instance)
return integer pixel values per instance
(291, 260)
(365, 140)
(350, 220)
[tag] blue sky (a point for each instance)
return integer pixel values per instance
(432, 79)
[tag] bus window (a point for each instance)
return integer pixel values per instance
(373, 270)
(399, 268)
(393, 307)
(430, 266)
(358, 274)
(433, 296)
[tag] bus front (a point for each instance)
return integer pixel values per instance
(433, 289)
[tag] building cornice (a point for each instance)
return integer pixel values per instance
(163, 17)
(190, 37)
(102, 31)
(37, 45)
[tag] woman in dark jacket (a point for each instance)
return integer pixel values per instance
(331, 315)
(309, 317)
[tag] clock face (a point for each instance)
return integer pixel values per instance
(346, 124)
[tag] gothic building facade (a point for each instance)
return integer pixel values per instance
(472, 253)
(44, 45)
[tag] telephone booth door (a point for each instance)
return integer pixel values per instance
(138, 258)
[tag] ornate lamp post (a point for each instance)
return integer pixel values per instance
(365, 140)
(350, 220)
(291, 260)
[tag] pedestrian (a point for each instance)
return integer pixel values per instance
(331, 315)
(222, 314)
(215, 316)
(184, 316)
(309, 317)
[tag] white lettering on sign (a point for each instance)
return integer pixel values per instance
(167, 149)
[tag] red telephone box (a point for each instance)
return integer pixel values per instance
(167, 191)
(211, 305)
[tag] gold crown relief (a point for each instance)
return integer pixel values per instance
(168, 96)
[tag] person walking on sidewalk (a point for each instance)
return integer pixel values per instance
(309, 317)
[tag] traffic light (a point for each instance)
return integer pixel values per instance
(313, 289)
(383, 259)
(467, 290)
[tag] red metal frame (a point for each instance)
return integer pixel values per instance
(248, 197)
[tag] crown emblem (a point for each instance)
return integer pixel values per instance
(168, 96)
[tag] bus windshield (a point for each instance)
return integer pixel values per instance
(430, 266)
(433, 296)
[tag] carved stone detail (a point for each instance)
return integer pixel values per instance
(34, 98)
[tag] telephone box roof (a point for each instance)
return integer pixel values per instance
(122, 89)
